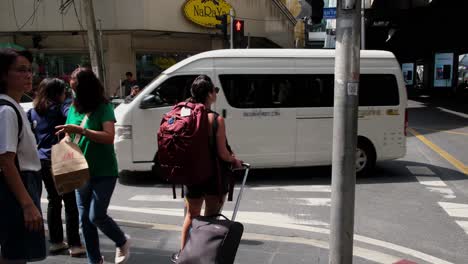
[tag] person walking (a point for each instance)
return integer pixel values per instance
(97, 144)
(48, 112)
(22, 237)
(204, 92)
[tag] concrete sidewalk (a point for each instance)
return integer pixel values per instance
(155, 245)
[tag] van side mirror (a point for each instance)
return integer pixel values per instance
(151, 101)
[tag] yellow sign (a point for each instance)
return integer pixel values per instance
(204, 12)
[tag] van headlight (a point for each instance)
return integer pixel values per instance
(123, 132)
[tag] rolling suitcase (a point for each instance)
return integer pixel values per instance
(214, 239)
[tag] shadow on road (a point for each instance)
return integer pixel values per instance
(429, 114)
(385, 172)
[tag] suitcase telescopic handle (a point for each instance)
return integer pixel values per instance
(246, 167)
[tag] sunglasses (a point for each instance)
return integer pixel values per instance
(216, 89)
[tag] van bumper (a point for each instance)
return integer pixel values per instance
(123, 152)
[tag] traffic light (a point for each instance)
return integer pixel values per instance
(223, 24)
(238, 32)
(317, 11)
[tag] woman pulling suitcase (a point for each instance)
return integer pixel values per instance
(203, 91)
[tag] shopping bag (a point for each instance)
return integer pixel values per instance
(69, 166)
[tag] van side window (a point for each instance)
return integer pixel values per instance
(278, 90)
(378, 90)
(259, 90)
(303, 90)
(175, 89)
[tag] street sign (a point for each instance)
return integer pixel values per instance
(329, 13)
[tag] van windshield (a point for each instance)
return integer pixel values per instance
(130, 98)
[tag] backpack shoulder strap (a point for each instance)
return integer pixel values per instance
(20, 125)
(18, 115)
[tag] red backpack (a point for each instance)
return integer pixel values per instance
(184, 154)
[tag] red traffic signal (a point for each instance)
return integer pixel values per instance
(238, 33)
(239, 25)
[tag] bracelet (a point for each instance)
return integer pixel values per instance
(84, 131)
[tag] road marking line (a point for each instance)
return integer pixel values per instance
(464, 225)
(155, 198)
(374, 256)
(452, 112)
(455, 209)
(441, 130)
(319, 230)
(456, 163)
(295, 188)
(420, 170)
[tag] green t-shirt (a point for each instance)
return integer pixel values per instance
(101, 157)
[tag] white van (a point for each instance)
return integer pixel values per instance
(278, 105)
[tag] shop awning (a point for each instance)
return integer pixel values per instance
(9, 45)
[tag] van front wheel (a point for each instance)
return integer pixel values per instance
(365, 158)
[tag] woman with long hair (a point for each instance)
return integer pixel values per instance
(48, 112)
(204, 92)
(22, 237)
(97, 144)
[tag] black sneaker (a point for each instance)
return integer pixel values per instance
(175, 257)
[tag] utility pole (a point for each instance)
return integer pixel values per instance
(94, 47)
(347, 61)
(231, 37)
(363, 25)
(102, 52)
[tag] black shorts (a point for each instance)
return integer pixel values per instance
(18, 243)
(209, 188)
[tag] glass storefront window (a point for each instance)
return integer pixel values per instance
(57, 65)
(149, 66)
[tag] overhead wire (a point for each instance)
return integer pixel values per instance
(79, 22)
(33, 15)
(64, 7)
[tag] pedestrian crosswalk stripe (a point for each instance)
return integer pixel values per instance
(464, 225)
(455, 209)
(431, 181)
(155, 198)
(420, 170)
(295, 188)
(311, 201)
(446, 192)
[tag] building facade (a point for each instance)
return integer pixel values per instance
(141, 36)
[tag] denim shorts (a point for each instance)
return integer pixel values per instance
(18, 243)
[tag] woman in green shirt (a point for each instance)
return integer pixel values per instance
(97, 144)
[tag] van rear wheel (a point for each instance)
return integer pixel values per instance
(365, 158)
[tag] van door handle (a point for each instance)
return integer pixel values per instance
(223, 113)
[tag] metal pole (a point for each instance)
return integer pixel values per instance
(363, 25)
(231, 37)
(102, 53)
(345, 131)
(94, 50)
